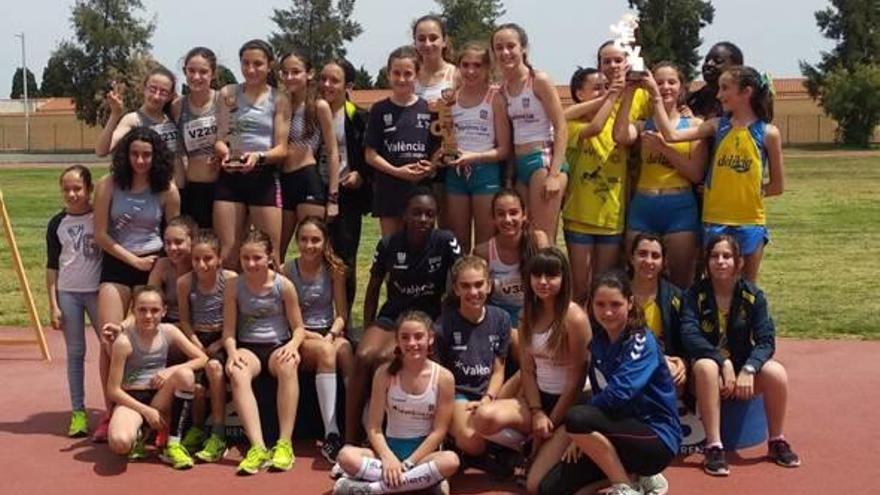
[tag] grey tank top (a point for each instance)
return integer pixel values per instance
(297, 134)
(206, 309)
(169, 290)
(315, 298)
(167, 130)
(135, 220)
(261, 318)
(143, 364)
(252, 125)
(199, 131)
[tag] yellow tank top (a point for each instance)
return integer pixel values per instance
(733, 185)
(654, 319)
(655, 171)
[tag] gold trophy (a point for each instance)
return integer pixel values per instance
(443, 126)
(624, 33)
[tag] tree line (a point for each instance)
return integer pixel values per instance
(112, 43)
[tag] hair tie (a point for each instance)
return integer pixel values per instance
(767, 84)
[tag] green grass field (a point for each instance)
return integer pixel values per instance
(818, 270)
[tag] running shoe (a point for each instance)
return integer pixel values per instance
(654, 485)
(348, 486)
(336, 471)
(193, 439)
(623, 489)
(100, 433)
(331, 447)
(779, 451)
(282, 456)
(79, 424)
(214, 449)
(176, 456)
(138, 448)
(256, 458)
(715, 462)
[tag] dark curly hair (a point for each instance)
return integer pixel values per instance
(162, 167)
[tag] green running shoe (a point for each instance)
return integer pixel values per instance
(176, 456)
(282, 456)
(193, 439)
(79, 424)
(257, 458)
(138, 449)
(214, 449)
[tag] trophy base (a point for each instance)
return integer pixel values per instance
(636, 75)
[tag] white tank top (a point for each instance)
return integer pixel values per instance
(549, 374)
(508, 288)
(529, 118)
(475, 126)
(433, 92)
(409, 415)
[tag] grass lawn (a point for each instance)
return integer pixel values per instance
(817, 271)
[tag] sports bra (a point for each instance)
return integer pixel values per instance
(410, 415)
(528, 116)
(475, 126)
(297, 135)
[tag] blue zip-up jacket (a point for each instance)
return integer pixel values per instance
(668, 299)
(750, 337)
(630, 378)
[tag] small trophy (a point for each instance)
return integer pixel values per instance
(624, 33)
(443, 126)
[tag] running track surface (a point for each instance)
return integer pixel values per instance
(833, 395)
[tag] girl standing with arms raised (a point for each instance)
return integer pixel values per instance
(262, 333)
(539, 131)
(746, 145)
(252, 127)
(311, 126)
(482, 132)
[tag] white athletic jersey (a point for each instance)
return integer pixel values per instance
(411, 416)
(475, 126)
(528, 116)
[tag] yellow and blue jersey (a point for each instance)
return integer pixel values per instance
(733, 193)
(656, 171)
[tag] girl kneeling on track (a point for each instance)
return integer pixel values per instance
(319, 277)
(726, 329)
(262, 332)
(414, 397)
(143, 388)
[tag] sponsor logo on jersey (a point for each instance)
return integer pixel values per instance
(473, 369)
(434, 263)
(388, 118)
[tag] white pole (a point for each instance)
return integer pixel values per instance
(27, 109)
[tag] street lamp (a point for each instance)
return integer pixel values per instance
(27, 109)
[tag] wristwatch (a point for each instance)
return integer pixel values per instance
(261, 158)
(749, 369)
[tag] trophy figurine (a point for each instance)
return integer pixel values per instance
(624, 33)
(444, 128)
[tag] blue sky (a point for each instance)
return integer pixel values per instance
(774, 34)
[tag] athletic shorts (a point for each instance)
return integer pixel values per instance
(749, 237)
(528, 164)
(208, 338)
(262, 351)
(197, 201)
(302, 186)
(114, 270)
(389, 195)
(144, 396)
(474, 180)
(590, 239)
(385, 323)
(548, 401)
(663, 214)
(259, 187)
(404, 447)
(461, 395)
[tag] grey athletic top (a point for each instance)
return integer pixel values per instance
(206, 309)
(199, 131)
(135, 220)
(261, 318)
(167, 130)
(315, 298)
(143, 364)
(253, 125)
(169, 290)
(297, 134)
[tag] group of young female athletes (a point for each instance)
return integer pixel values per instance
(559, 366)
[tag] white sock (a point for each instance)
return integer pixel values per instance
(417, 478)
(325, 385)
(371, 469)
(507, 437)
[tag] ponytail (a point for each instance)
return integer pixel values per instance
(762, 89)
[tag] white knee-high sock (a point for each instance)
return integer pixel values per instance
(507, 437)
(325, 385)
(371, 469)
(417, 478)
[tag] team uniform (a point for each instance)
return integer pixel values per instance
(315, 298)
(143, 364)
(166, 129)
(475, 133)
(530, 124)
(400, 135)
(663, 317)
(507, 284)
(416, 280)
(469, 349)
(633, 406)
(251, 130)
(206, 313)
(169, 293)
(135, 223)
(409, 418)
(733, 202)
(262, 323)
(551, 374)
(664, 202)
(72, 252)
(304, 184)
(434, 92)
(199, 132)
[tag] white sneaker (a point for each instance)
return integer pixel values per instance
(336, 471)
(623, 489)
(348, 486)
(654, 485)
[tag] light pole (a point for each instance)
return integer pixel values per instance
(27, 108)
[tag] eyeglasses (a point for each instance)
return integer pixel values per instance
(158, 91)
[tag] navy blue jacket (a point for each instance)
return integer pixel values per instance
(668, 299)
(750, 337)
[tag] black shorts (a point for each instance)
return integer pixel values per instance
(302, 186)
(389, 195)
(259, 187)
(548, 401)
(114, 270)
(143, 396)
(208, 338)
(262, 351)
(197, 201)
(386, 323)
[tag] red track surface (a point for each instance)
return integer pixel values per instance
(834, 393)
